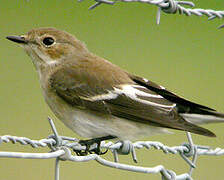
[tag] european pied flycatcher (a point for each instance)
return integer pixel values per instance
(97, 99)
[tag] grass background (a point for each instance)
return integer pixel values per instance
(184, 54)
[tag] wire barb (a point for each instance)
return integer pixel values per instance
(169, 7)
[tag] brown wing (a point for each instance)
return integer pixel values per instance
(129, 101)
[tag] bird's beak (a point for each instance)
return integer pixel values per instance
(17, 39)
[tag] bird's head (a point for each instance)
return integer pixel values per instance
(49, 46)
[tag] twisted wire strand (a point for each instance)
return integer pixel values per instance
(61, 145)
(62, 148)
(169, 7)
(202, 150)
(64, 152)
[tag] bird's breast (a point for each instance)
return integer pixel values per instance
(92, 124)
(82, 122)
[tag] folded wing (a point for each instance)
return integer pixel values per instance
(134, 101)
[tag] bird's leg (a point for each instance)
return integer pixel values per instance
(90, 142)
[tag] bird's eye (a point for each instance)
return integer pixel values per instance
(48, 41)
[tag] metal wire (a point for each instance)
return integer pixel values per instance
(62, 148)
(169, 7)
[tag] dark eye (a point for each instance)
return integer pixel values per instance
(48, 41)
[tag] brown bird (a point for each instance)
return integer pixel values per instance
(99, 100)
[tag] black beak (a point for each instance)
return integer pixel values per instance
(17, 39)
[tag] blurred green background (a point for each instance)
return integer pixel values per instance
(184, 54)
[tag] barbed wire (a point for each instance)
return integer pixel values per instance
(62, 148)
(169, 7)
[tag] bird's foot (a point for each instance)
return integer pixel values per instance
(88, 143)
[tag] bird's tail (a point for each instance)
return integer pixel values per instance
(209, 117)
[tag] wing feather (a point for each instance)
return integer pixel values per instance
(184, 105)
(131, 101)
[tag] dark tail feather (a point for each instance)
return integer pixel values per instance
(196, 129)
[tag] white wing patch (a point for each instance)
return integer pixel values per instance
(162, 87)
(132, 92)
(101, 97)
(139, 92)
(146, 80)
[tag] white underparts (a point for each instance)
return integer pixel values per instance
(92, 126)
